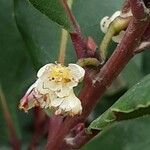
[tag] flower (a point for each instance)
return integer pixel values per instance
(106, 21)
(54, 89)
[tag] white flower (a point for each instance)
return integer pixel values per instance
(59, 79)
(54, 89)
(106, 21)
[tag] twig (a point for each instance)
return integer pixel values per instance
(79, 140)
(63, 45)
(63, 42)
(139, 10)
(40, 127)
(71, 16)
(78, 40)
(76, 36)
(55, 123)
(95, 88)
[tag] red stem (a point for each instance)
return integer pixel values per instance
(71, 17)
(79, 42)
(108, 73)
(95, 88)
(76, 36)
(40, 127)
(79, 140)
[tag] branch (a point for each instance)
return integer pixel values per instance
(80, 43)
(94, 88)
(40, 127)
(63, 46)
(139, 10)
(79, 140)
(71, 16)
(55, 123)
(77, 37)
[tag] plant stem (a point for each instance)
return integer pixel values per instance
(79, 140)
(63, 45)
(79, 44)
(71, 16)
(78, 40)
(106, 40)
(92, 92)
(95, 87)
(64, 40)
(115, 27)
(40, 127)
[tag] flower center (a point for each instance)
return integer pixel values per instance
(60, 73)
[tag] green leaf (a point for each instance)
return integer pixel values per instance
(54, 10)
(134, 103)
(41, 35)
(132, 73)
(89, 13)
(16, 69)
(125, 135)
(146, 64)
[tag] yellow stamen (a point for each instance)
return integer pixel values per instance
(60, 73)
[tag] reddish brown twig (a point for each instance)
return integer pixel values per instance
(80, 139)
(40, 127)
(79, 41)
(95, 87)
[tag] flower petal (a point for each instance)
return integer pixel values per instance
(71, 84)
(29, 100)
(77, 72)
(114, 16)
(55, 102)
(43, 69)
(41, 87)
(63, 92)
(45, 101)
(30, 89)
(71, 105)
(52, 85)
(104, 24)
(106, 21)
